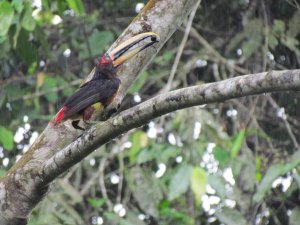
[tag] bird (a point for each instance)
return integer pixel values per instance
(103, 87)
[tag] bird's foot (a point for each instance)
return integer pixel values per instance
(76, 126)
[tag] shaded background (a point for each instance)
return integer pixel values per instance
(227, 162)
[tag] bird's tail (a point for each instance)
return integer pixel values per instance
(60, 115)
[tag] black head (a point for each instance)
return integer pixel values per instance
(105, 68)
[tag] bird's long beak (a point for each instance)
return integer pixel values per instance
(130, 48)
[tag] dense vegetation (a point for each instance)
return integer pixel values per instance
(233, 162)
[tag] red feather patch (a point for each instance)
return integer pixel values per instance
(60, 115)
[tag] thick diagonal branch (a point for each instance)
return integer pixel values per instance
(23, 187)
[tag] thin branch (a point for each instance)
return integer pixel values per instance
(293, 3)
(215, 53)
(91, 181)
(181, 47)
(42, 93)
(102, 184)
(88, 46)
(121, 176)
(286, 124)
(266, 36)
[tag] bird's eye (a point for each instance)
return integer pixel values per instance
(153, 39)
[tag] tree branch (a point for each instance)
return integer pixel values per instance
(162, 104)
(23, 186)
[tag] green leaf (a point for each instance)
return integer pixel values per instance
(294, 218)
(258, 174)
(96, 202)
(6, 138)
(250, 46)
(165, 59)
(132, 218)
(180, 182)
(32, 68)
(25, 49)
(274, 172)
(98, 41)
(168, 153)
(68, 214)
(221, 155)
(18, 5)
(138, 84)
(13, 90)
(77, 6)
(292, 43)
(230, 216)
(296, 177)
(218, 183)
(167, 56)
(112, 218)
(166, 211)
(146, 155)
(28, 22)
(244, 170)
(64, 217)
(198, 183)
(62, 6)
(16, 35)
(67, 90)
(2, 173)
(294, 25)
(146, 189)
(139, 141)
(6, 17)
(237, 143)
(272, 40)
(48, 86)
(278, 27)
(2, 97)
(70, 191)
(2, 39)
(250, 37)
(4, 48)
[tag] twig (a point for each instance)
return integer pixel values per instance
(91, 181)
(102, 184)
(42, 93)
(87, 43)
(286, 124)
(294, 3)
(181, 47)
(266, 36)
(121, 176)
(14, 78)
(210, 49)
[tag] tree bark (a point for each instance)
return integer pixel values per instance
(24, 184)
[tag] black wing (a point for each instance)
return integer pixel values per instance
(92, 92)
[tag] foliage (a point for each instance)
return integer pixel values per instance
(225, 163)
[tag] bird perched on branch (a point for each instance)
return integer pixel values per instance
(101, 90)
